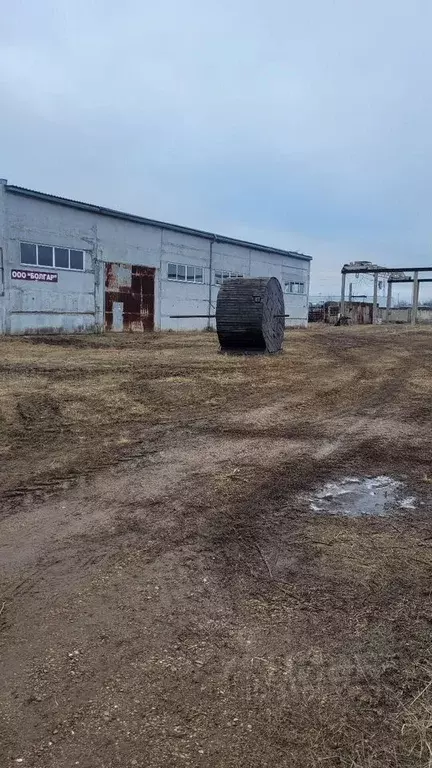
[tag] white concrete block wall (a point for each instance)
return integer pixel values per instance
(124, 242)
(68, 304)
(296, 305)
(178, 297)
(76, 301)
(233, 258)
(3, 247)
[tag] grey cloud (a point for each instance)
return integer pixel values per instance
(308, 124)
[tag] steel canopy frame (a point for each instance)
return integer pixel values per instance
(349, 269)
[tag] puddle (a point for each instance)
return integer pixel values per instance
(358, 496)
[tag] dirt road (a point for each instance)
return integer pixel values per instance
(169, 594)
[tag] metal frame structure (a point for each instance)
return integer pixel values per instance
(353, 269)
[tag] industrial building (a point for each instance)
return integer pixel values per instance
(68, 266)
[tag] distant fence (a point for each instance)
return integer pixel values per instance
(403, 315)
(360, 313)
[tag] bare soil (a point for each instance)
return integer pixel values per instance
(167, 596)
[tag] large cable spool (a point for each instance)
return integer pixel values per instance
(250, 315)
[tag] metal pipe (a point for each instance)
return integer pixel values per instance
(179, 316)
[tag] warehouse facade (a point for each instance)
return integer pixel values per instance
(67, 266)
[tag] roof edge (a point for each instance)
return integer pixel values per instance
(101, 210)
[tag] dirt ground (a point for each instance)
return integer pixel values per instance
(167, 595)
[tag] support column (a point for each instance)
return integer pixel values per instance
(4, 274)
(210, 308)
(375, 300)
(415, 299)
(350, 293)
(389, 300)
(342, 302)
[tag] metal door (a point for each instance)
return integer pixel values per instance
(141, 316)
(129, 297)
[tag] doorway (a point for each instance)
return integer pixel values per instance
(129, 297)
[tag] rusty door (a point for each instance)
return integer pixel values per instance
(133, 288)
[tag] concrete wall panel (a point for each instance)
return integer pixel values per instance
(76, 301)
(28, 322)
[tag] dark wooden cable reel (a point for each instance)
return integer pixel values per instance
(249, 315)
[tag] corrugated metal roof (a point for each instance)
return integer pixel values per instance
(151, 222)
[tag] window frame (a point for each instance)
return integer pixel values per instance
(48, 251)
(289, 285)
(57, 248)
(185, 280)
(76, 269)
(171, 264)
(226, 274)
(29, 263)
(53, 250)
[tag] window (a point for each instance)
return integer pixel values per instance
(47, 256)
(184, 273)
(76, 260)
(219, 277)
(28, 254)
(172, 271)
(293, 287)
(61, 258)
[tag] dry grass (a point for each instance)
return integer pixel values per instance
(417, 726)
(97, 394)
(162, 532)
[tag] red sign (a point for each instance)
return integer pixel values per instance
(28, 274)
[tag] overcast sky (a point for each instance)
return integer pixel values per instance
(302, 125)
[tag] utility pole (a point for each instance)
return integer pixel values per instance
(415, 298)
(342, 303)
(375, 300)
(389, 300)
